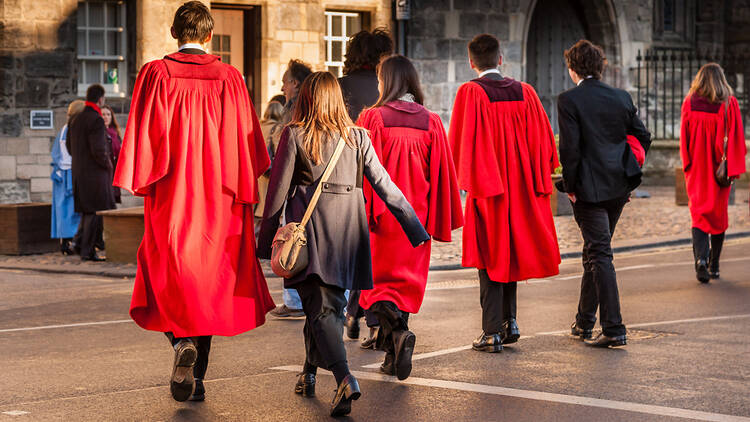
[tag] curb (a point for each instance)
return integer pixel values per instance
(616, 250)
(444, 267)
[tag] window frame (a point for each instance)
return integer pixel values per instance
(683, 34)
(120, 89)
(343, 39)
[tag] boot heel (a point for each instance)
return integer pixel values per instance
(305, 390)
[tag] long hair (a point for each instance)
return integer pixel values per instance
(114, 121)
(274, 111)
(320, 112)
(398, 77)
(711, 84)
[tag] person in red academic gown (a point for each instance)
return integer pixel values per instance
(194, 150)
(710, 113)
(504, 152)
(411, 143)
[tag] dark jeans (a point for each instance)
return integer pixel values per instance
(203, 344)
(701, 249)
(354, 309)
(597, 222)
(89, 234)
(393, 321)
(498, 302)
(323, 305)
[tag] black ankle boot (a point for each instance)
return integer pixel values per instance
(713, 266)
(305, 384)
(701, 271)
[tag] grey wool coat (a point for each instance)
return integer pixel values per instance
(338, 238)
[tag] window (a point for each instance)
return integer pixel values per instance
(340, 26)
(102, 44)
(222, 47)
(674, 22)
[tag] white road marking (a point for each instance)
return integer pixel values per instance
(15, 413)
(652, 324)
(543, 396)
(426, 355)
(80, 324)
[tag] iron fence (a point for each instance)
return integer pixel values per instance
(663, 79)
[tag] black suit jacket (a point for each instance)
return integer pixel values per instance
(360, 89)
(594, 120)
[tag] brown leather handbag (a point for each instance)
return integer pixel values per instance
(722, 175)
(289, 254)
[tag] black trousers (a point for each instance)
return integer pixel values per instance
(392, 320)
(354, 309)
(323, 305)
(203, 344)
(89, 234)
(498, 302)
(702, 250)
(597, 222)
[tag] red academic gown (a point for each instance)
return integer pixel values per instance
(194, 150)
(410, 141)
(504, 152)
(701, 148)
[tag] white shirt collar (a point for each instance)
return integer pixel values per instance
(488, 71)
(191, 45)
(587, 77)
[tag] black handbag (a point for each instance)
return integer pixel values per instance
(722, 175)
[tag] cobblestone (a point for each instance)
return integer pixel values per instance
(644, 220)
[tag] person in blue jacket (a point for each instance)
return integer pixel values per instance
(64, 218)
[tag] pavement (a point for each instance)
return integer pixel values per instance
(645, 223)
(70, 352)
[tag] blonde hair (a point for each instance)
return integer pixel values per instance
(75, 107)
(320, 112)
(711, 84)
(274, 111)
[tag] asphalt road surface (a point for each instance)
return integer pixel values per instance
(69, 352)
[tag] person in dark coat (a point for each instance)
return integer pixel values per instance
(599, 172)
(360, 88)
(337, 235)
(92, 171)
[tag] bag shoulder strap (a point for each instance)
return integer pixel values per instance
(726, 130)
(323, 179)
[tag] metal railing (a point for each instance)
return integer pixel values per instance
(663, 79)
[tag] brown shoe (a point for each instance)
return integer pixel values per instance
(284, 312)
(182, 383)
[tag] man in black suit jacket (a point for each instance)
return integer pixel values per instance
(92, 171)
(599, 172)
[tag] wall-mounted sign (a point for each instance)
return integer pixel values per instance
(403, 11)
(42, 119)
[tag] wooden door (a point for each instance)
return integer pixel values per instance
(555, 26)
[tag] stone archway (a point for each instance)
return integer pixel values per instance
(555, 25)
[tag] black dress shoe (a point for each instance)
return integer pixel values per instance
(404, 345)
(605, 341)
(510, 333)
(387, 366)
(352, 327)
(199, 393)
(490, 343)
(305, 384)
(701, 271)
(94, 257)
(369, 342)
(713, 268)
(347, 391)
(580, 332)
(182, 382)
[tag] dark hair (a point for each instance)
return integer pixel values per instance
(94, 92)
(114, 120)
(484, 51)
(281, 99)
(298, 70)
(192, 22)
(586, 59)
(398, 77)
(366, 48)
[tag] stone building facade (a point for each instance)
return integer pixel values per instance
(51, 49)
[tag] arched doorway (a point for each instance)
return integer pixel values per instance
(555, 25)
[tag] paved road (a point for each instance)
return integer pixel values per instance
(69, 352)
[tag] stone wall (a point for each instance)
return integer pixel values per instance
(37, 71)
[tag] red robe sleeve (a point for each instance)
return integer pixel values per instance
(444, 211)
(736, 148)
(144, 157)
(685, 134)
(371, 120)
(473, 143)
(243, 150)
(541, 141)
(637, 148)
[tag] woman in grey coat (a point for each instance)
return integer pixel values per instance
(337, 234)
